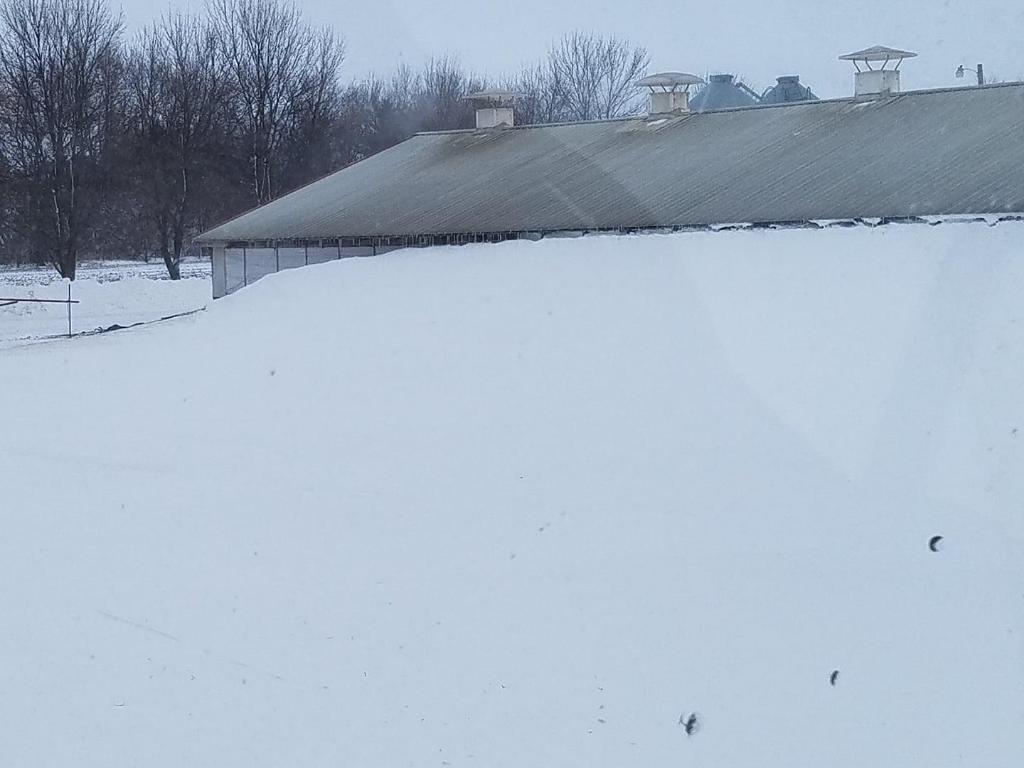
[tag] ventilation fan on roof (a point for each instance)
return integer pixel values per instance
(874, 77)
(670, 91)
(494, 108)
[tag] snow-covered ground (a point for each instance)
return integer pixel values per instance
(533, 505)
(110, 293)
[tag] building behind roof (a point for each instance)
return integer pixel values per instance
(883, 154)
(787, 90)
(723, 92)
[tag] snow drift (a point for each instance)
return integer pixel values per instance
(533, 504)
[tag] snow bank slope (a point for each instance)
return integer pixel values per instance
(528, 505)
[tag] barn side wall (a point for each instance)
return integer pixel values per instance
(239, 265)
(267, 257)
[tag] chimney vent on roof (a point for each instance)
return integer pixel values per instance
(494, 108)
(874, 77)
(670, 92)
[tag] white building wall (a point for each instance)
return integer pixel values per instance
(218, 271)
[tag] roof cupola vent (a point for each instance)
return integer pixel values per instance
(670, 91)
(874, 76)
(494, 108)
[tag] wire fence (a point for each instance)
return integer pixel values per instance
(69, 301)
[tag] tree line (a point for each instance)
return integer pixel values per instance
(116, 147)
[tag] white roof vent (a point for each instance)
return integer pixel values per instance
(874, 77)
(670, 91)
(494, 108)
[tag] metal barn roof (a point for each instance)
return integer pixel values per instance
(958, 151)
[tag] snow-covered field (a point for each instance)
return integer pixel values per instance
(533, 505)
(110, 293)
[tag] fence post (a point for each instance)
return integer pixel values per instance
(69, 310)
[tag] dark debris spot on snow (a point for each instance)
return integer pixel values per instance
(834, 677)
(690, 723)
(935, 543)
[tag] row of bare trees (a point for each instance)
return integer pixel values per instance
(60, 69)
(122, 149)
(584, 77)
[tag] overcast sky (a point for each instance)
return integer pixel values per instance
(759, 39)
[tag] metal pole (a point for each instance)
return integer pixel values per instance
(38, 301)
(69, 310)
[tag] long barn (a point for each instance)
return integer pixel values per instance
(881, 154)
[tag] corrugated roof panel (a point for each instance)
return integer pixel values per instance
(922, 153)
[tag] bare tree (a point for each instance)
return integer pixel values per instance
(57, 61)
(593, 77)
(307, 148)
(440, 95)
(8, 198)
(178, 93)
(541, 96)
(284, 73)
(373, 115)
(207, 114)
(377, 113)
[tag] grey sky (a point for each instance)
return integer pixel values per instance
(757, 39)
